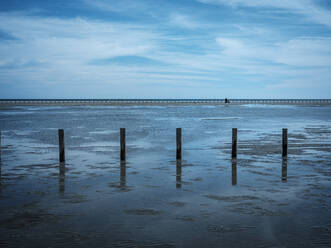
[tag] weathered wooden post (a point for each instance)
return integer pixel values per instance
(179, 143)
(62, 170)
(234, 142)
(61, 146)
(178, 174)
(234, 171)
(123, 175)
(284, 169)
(122, 141)
(284, 150)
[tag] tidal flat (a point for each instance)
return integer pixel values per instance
(151, 200)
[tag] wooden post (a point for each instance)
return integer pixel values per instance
(62, 171)
(123, 175)
(122, 141)
(284, 150)
(179, 143)
(234, 171)
(284, 169)
(61, 146)
(234, 142)
(178, 174)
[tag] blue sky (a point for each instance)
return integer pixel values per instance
(165, 49)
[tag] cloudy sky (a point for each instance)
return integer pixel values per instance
(165, 49)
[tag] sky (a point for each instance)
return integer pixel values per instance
(165, 49)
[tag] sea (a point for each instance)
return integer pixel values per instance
(206, 199)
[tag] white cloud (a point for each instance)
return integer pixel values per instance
(305, 80)
(183, 21)
(297, 52)
(54, 51)
(304, 52)
(293, 4)
(253, 30)
(233, 47)
(75, 41)
(117, 5)
(307, 8)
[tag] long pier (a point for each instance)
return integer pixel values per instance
(8, 102)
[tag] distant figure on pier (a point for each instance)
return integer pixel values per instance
(226, 101)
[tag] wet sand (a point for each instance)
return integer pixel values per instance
(152, 200)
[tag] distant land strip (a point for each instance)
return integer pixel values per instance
(9, 102)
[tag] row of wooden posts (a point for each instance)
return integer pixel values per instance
(178, 157)
(178, 144)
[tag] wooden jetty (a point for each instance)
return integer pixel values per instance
(8, 102)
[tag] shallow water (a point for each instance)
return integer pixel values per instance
(152, 200)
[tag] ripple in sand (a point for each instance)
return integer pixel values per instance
(74, 198)
(25, 218)
(178, 204)
(232, 198)
(135, 244)
(142, 212)
(185, 218)
(223, 229)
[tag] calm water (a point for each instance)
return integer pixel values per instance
(206, 200)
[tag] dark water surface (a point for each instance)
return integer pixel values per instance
(152, 200)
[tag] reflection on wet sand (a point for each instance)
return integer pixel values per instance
(0, 149)
(0, 176)
(123, 175)
(178, 174)
(284, 169)
(62, 169)
(0, 164)
(148, 209)
(234, 171)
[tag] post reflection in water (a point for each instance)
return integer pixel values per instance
(178, 174)
(284, 169)
(0, 164)
(123, 175)
(62, 169)
(234, 171)
(0, 176)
